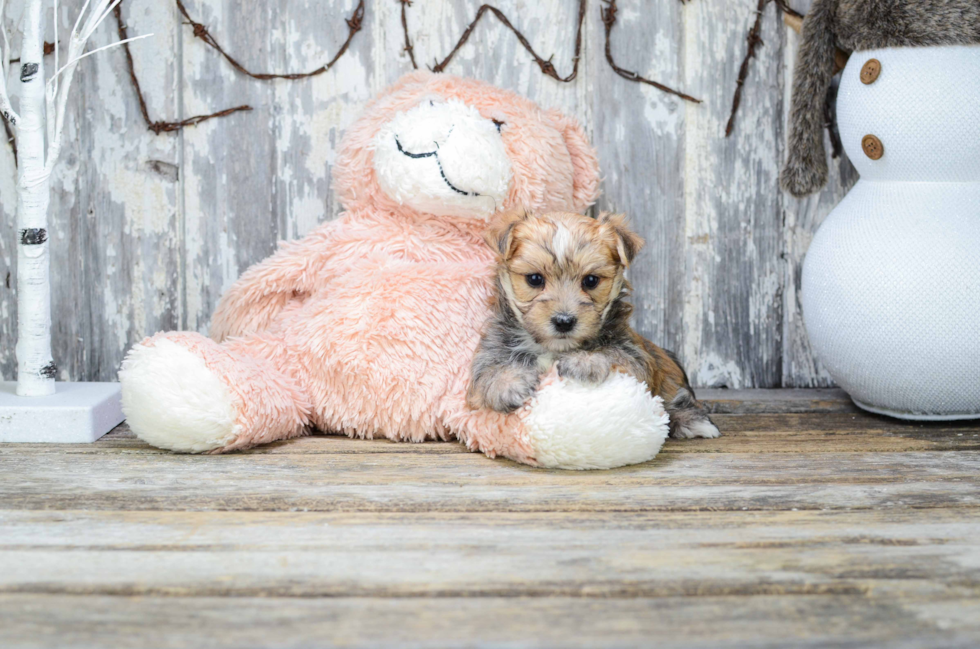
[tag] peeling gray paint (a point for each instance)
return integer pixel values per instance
(147, 231)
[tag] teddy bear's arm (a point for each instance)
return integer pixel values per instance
(262, 291)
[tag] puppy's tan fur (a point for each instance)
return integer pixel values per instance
(563, 268)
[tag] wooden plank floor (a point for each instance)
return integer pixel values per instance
(808, 524)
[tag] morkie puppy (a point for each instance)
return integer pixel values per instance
(562, 300)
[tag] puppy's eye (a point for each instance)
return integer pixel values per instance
(535, 280)
(498, 124)
(589, 282)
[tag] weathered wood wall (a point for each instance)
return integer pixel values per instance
(149, 230)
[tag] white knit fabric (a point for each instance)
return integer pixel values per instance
(924, 107)
(891, 281)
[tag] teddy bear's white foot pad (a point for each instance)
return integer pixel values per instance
(575, 426)
(173, 401)
(77, 413)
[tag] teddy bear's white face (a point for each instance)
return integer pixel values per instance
(444, 158)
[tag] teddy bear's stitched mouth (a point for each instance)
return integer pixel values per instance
(434, 154)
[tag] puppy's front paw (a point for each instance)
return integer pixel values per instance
(509, 390)
(702, 428)
(584, 366)
(690, 422)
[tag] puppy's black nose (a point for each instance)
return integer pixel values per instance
(564, 322)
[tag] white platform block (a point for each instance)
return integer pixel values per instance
(77, 413)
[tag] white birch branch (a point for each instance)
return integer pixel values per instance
(42, 112)
(54, 32)
(47, 89)
(95, 51)
(35, 367)
(4, 45)
(57, 94)
(5, 108)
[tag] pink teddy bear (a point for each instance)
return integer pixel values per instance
(368, 325)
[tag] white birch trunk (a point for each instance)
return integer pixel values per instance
(42, 113)
(35, 367)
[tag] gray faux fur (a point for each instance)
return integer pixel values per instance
(854, 25)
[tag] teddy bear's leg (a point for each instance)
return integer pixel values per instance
(489, 432)
(569, 425)
(184, 392)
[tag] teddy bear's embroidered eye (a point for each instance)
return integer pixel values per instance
(535, 280)
(589, 282)
(498, 124)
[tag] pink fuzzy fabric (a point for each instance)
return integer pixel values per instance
(368, 325)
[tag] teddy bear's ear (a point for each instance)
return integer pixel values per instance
(499, 234)
(585, 181)
(628, 242)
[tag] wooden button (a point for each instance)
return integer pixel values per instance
(873, 148)
(870, 71)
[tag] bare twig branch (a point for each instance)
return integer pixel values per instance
(408, 42)
(547, 67)
(608, 20)
(789, 11)
(743, 70)
(354, 24)
(794, 20)
(160, 127)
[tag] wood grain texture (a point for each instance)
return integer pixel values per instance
(794, 529)
(761, 424)
(748, 401)
(458, 482)
(33, 621)
(241, 554)
(149, 231)
(732, 204)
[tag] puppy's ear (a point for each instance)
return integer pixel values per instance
(500, 232)
(628, 242)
